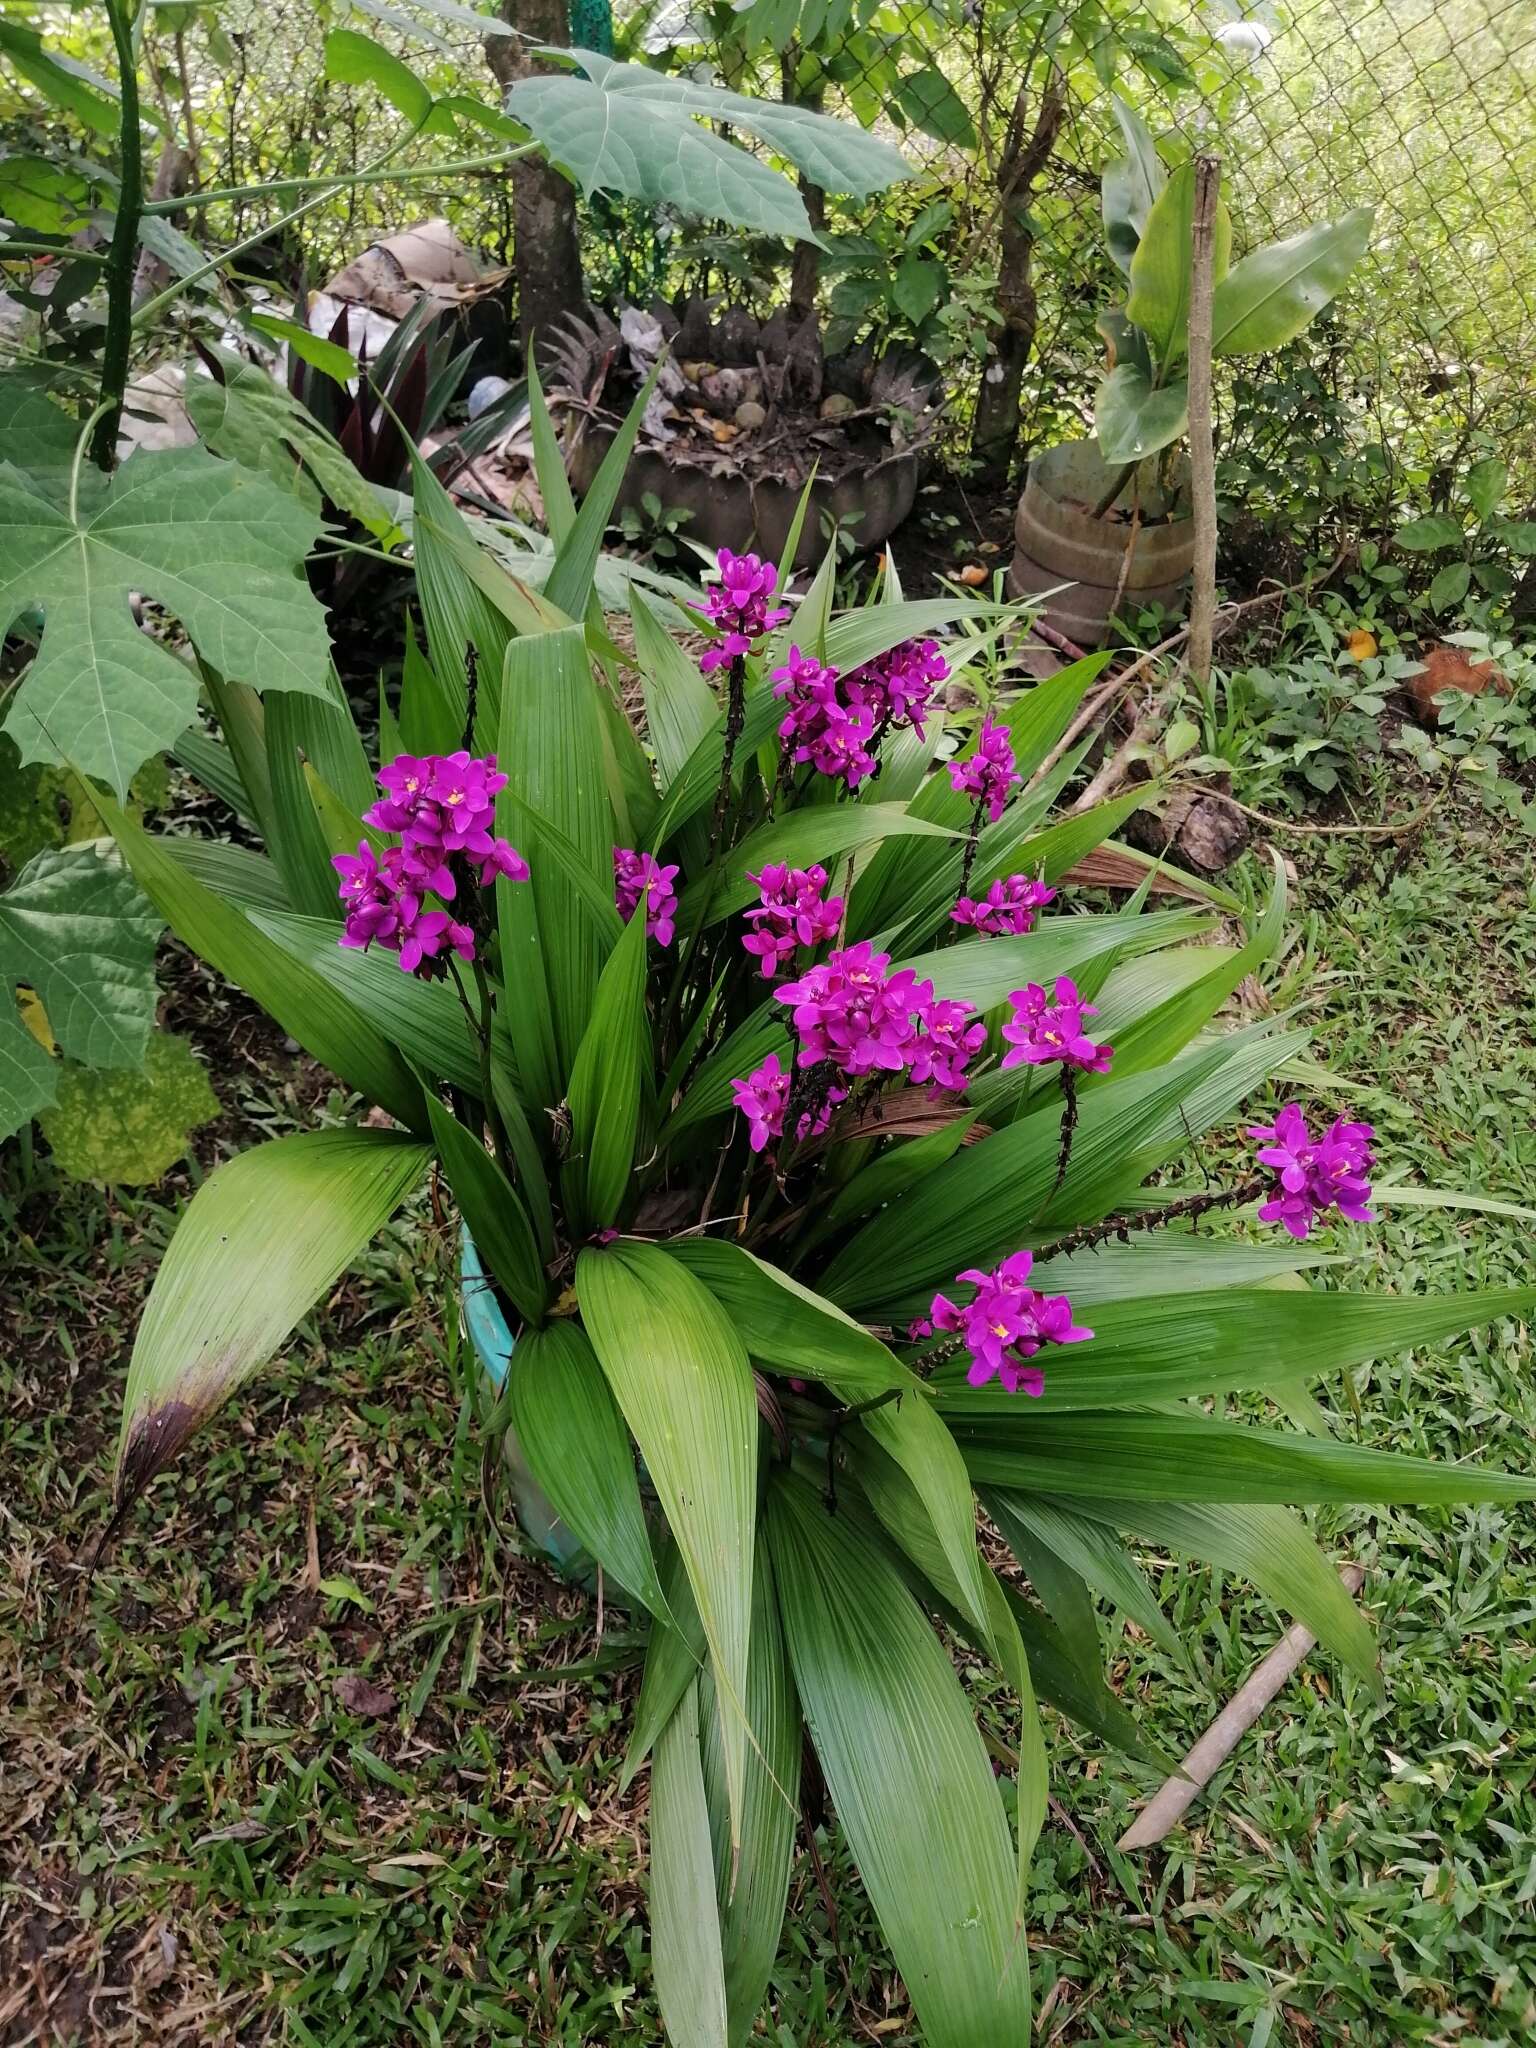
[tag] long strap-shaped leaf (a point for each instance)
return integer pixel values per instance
(606, 1083)
(551, 732)
(1196, 1458)
(908, 1774)
(575, 1440)
(794, 1330)
(265, 1236)
(685, 1920)
(1168, 1346)
(752, 1914)
(681, 1376)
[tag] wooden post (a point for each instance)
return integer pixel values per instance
(1202, 452)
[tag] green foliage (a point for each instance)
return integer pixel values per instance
(220, 547)
(76, 932)
(127, 1128)
(626, 129)
(1260, 304)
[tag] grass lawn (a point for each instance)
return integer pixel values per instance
(315, 1756)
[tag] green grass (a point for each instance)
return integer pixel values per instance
(201, 1841)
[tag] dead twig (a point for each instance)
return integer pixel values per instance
(1177, 1794)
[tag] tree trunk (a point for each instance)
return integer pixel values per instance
(805, 269)
(546, 246)
(1026, 152)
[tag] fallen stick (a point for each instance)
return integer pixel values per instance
(1177, 1794)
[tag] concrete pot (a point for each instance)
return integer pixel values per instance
(1058, 541)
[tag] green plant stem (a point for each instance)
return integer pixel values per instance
(122, 253)
(338, 181)
(10, 250)
(1122, 477)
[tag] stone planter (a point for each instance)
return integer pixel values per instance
(857, 421)
(1059, 542)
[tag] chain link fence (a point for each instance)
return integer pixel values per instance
(1424, 109)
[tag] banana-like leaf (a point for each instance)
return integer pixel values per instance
(329, 1026)
(685, 1919)
(681, 1376)
(910, 1780)
(575, 1440)
(1131, 186)
(1163, 264)
(605, 1085)
(752, 1897)
(1275, 292)
(493, 1213)
(1135, 418)
(263, 1238)
(1167, 1346)
(1197, 1458)
(551, 956)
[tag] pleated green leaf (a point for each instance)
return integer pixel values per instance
(681, 1376)
(900, 1512)
(1096, 1553)
(752, 1897)
(262, 1240)
(605, 1085)
(685, 1920)
(1161, 1348)
(1268, 1546)
(674, 1656)
(997, 1194)
(326, 1023)
(820, 833)
(1061, 1590)
(493, 1213)
(551, 729)
(424, 1019)
(983, 972)
(1195, 1458)
(237, 873)
(909, 1777)
(788, 1327)
(298, 843)
(1182, 1261)
(574, 1436)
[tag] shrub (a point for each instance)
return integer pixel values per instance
(807, 1129)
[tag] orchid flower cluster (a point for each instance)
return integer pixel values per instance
(856, 1021)
(793, 911)
(1003, 1325)
(633, 875)
(740, 605)
(1006, 910)
(1314, 1174)
(443, 807)
(837, 722)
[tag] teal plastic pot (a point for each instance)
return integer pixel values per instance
(495, 1347)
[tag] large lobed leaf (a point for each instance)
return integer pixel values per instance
(626, 128)
(220, 548)
(81, 936)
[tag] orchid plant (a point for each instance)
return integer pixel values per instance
(833, 1157)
